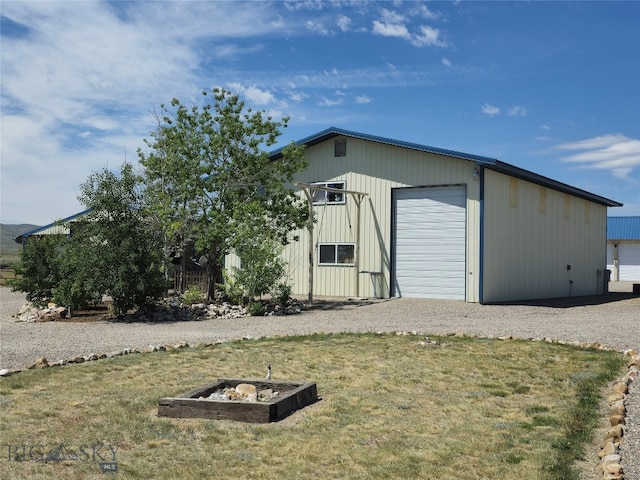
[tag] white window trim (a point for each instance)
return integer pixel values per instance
(335, 245)
(326, 184)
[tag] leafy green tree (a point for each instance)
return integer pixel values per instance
(207, 173)
(262, 266)
(114, 250)
(38, 272)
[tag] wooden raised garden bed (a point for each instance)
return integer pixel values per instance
(291, 396)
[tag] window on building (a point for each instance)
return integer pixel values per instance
(321, 197)
(336, 254)
(340, 148)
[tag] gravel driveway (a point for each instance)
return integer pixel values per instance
(613, 320)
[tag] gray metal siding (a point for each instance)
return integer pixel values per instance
(530, 252)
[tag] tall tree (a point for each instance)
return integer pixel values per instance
(114, 250)
(38, 272)
(207, 173)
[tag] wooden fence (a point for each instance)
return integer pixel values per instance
(184, 281)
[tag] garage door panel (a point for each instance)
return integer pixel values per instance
(435, 274)
(430, 242)
(450, 281)
(445, 259)
(436, 246)
(629, 262)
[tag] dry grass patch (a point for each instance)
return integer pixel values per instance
(390, 408)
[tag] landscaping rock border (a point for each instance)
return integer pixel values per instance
(169, 310)
(610, 446)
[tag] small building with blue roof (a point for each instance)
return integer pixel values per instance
(623, 248)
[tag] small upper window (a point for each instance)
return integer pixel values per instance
(321, 197)
(340, 148)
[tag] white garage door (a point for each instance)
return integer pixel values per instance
(430, 242)
(629, 262)
(610, 259)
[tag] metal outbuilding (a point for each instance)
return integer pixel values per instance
(395, 218)
(60, 227)
(623, 248)
(437, 223)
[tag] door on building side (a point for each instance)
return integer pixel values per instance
(429, 242)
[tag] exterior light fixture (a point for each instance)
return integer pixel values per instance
(476, 173)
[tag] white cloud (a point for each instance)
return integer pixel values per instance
(325, 102)
(317, 27)
(423, 11)
(446, 62)
(490, 110)
(517, 111)
(344, 23)
(304, 5)
(253, 94)
(614, 152)
(277, 22)
(428, 36)
(391, 30)
(79, 84)
(296, 96)
(544, 126)
(392, 24)
(361, 99)
(389, 16)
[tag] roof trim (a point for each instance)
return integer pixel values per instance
(23, 237)
(487, 162)
(532, 177)
(335, 132)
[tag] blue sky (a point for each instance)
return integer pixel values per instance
(552, 87)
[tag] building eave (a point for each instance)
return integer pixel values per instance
(23, 237)
(532, 177)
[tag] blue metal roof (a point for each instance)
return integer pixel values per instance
(623, 228)
(481, 161)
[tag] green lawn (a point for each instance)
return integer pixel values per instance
(390, 408)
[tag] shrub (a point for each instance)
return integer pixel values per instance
(232, 289)
(256, 309)
(282, 293)
(191, 296)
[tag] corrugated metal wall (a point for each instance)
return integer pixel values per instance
(375, 169)
(540, 243)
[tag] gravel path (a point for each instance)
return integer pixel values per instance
(613, 321)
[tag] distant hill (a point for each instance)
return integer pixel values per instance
(8, 232)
